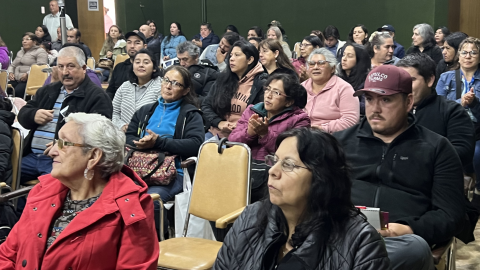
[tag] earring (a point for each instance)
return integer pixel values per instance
(85, 174)
(275, 60)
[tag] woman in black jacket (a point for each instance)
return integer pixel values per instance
(240, 85)
(423, 41)
(6, 144)
(173, 124)
(308, 221)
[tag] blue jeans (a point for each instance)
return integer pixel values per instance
(409, 251)
(167, 193)
(104, 76)
(34, 165)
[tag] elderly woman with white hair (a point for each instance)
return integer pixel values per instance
(275, 33)
(424, 42)
(331, 105)
(91, 212)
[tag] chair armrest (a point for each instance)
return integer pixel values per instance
(187, 163)
(156, 197)
(439, 250)
(3, 184)
(15, 194)
(34, 87)
(222, 222)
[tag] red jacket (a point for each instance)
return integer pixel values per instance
(116, 232)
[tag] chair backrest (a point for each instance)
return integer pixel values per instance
(120, 58)
(91, 63)
(3, 80)
(36, 79)
(222, 180)
(16, 157)
(296, 49)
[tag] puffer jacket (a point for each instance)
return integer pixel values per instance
(4, 60)
(286, 120)
(25, 60)
(6, 146)
(358, 247)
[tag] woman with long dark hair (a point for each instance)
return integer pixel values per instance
(42, 33)
(449, 52)
(240, 85)
(308, 220)
(114, 45)
(440, 34)
(354, 68)
(155, 33)
(358, 34)
(169, 45)
(273, 59)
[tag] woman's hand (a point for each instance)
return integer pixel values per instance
(148, 141)
(124, 128)
(226, 127)
(303, 74)
(166, 57)
(221, 56)
(260, 126)
(109, 54)
(467, 99)
(11, 77)
(251, 130)
(396, 229)
(24, 77)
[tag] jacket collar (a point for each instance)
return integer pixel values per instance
(259, 109)
(364, 129)
(429, 99)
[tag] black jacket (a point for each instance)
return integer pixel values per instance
(88, 98)
(256, 96)
(434, 52)
(359, 247)
(449, 119)
(209, 40)
(119, 76)
(153, 45)
(189, 133)
(442, 67)
(87, 49)
(6, 146)
(204, 76)
(417, 178)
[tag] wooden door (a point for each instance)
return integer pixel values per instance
(91, 25)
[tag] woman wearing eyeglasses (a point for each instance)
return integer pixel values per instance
(172, 124)
(143, 88)
(308, 44)
(468, 94)
(307, 220)
(331, 105)
(91, 212)
(29, 55)
(273, 59)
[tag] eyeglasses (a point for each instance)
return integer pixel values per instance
(471, 53)
(176, 84)
(62, 143)
(320, 63)
(275, 93)
(304, 45)
(287, 166)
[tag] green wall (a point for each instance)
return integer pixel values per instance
(298, 17)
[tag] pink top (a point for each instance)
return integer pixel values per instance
(334, 108)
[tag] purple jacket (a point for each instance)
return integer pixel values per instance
(4, 60)
(90, 73)
(286, 120)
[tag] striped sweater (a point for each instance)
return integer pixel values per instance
(126, 101)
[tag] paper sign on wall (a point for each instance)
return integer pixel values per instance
(92, 5)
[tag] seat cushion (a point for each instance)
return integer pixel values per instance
(188, 253)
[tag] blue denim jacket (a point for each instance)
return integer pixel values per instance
(447, 86)
(210, 53)
(170, 48)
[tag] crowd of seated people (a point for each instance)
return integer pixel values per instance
(350, 123)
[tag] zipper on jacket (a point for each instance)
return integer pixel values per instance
(377, 173)
(161, 118)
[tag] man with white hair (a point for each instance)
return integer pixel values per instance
(44, 114)
(52, 21)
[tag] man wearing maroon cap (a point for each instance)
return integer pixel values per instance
(404, 169)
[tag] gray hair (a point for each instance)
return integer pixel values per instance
(427, 33)
(75, 52)
(278, 33)
(188, 46)
(376, 40)
(329, 57)
(99, 132)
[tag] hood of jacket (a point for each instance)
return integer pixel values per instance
(7, 117)
(248, 78)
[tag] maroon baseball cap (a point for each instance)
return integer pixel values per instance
(387, 80)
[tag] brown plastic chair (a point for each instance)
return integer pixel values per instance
(220, 192)
(16, 160)
(444, 255)
(120, 58)
(36, 79)
(3, 80)
(91, 63)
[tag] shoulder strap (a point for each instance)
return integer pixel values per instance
(458, 82)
